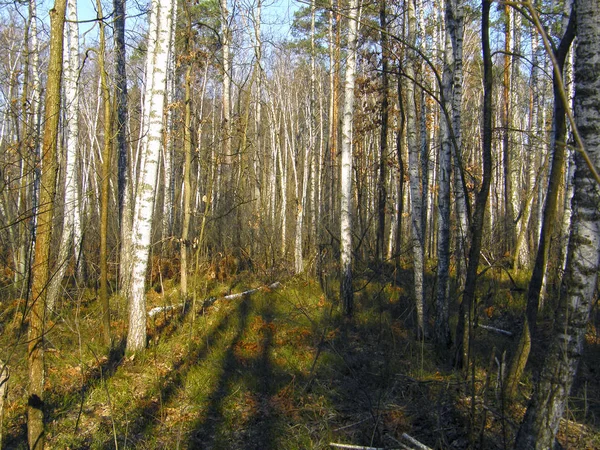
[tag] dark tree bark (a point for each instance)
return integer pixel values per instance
(383, 149)
(40, 269)
(465, 322)
(519, 360)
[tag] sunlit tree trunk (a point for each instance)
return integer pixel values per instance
(160, 27)
(106, 172)
(187, 165)
(71, 229)
(40, 268)
(346, 291)
(442, 326)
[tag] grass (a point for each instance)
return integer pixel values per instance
(279, 369)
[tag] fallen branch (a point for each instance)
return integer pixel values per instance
(497, 330)
(354, 447)
(414, 442)
(251, 291)
(210, 300)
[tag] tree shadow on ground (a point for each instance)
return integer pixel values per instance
(246, 421)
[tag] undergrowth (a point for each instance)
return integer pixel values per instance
(279, 369)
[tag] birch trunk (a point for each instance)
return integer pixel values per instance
(442, 326)
(549, 220)
(160, 23)
(346, 291)
(71, 229)
(416, 199)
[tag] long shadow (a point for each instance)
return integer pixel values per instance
(370, 386)
(146, 413)
(258, 375)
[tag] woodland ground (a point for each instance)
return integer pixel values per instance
(282, 369)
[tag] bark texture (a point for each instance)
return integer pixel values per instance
(156, 79)
(346, 291)
(40, 269)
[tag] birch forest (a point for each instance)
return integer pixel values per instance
(299, 224)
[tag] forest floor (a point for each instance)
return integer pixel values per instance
(279, 369)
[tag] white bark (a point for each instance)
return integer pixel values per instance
(71, 230)
(346, 290)
(159, 41)
(416, 200)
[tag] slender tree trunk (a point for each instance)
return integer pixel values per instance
(71, 230)
(40, 269)
(187, 165)
(416, 198)
(442, 326)
(346, 290)
(106, 172)
(120, 99)
(383, 150)
(466, 310)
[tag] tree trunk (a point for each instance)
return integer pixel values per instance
(383, 151)
(442, 326)
(416, 198)
(579, 283)
(346, 290)
(160, 18)
(40, 269)
(519, 360)
(187, 165)
(466, 313)
(71, 229)
(106, 157)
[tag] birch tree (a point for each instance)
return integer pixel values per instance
(156, 79)
(346, 291)
(416, 196)
(71, 230)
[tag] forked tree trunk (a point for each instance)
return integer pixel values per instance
(466, 311)
(40, 269)
(551, 392)
(519, 359)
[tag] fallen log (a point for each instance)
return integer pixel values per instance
(210, 300)
(495, 330)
